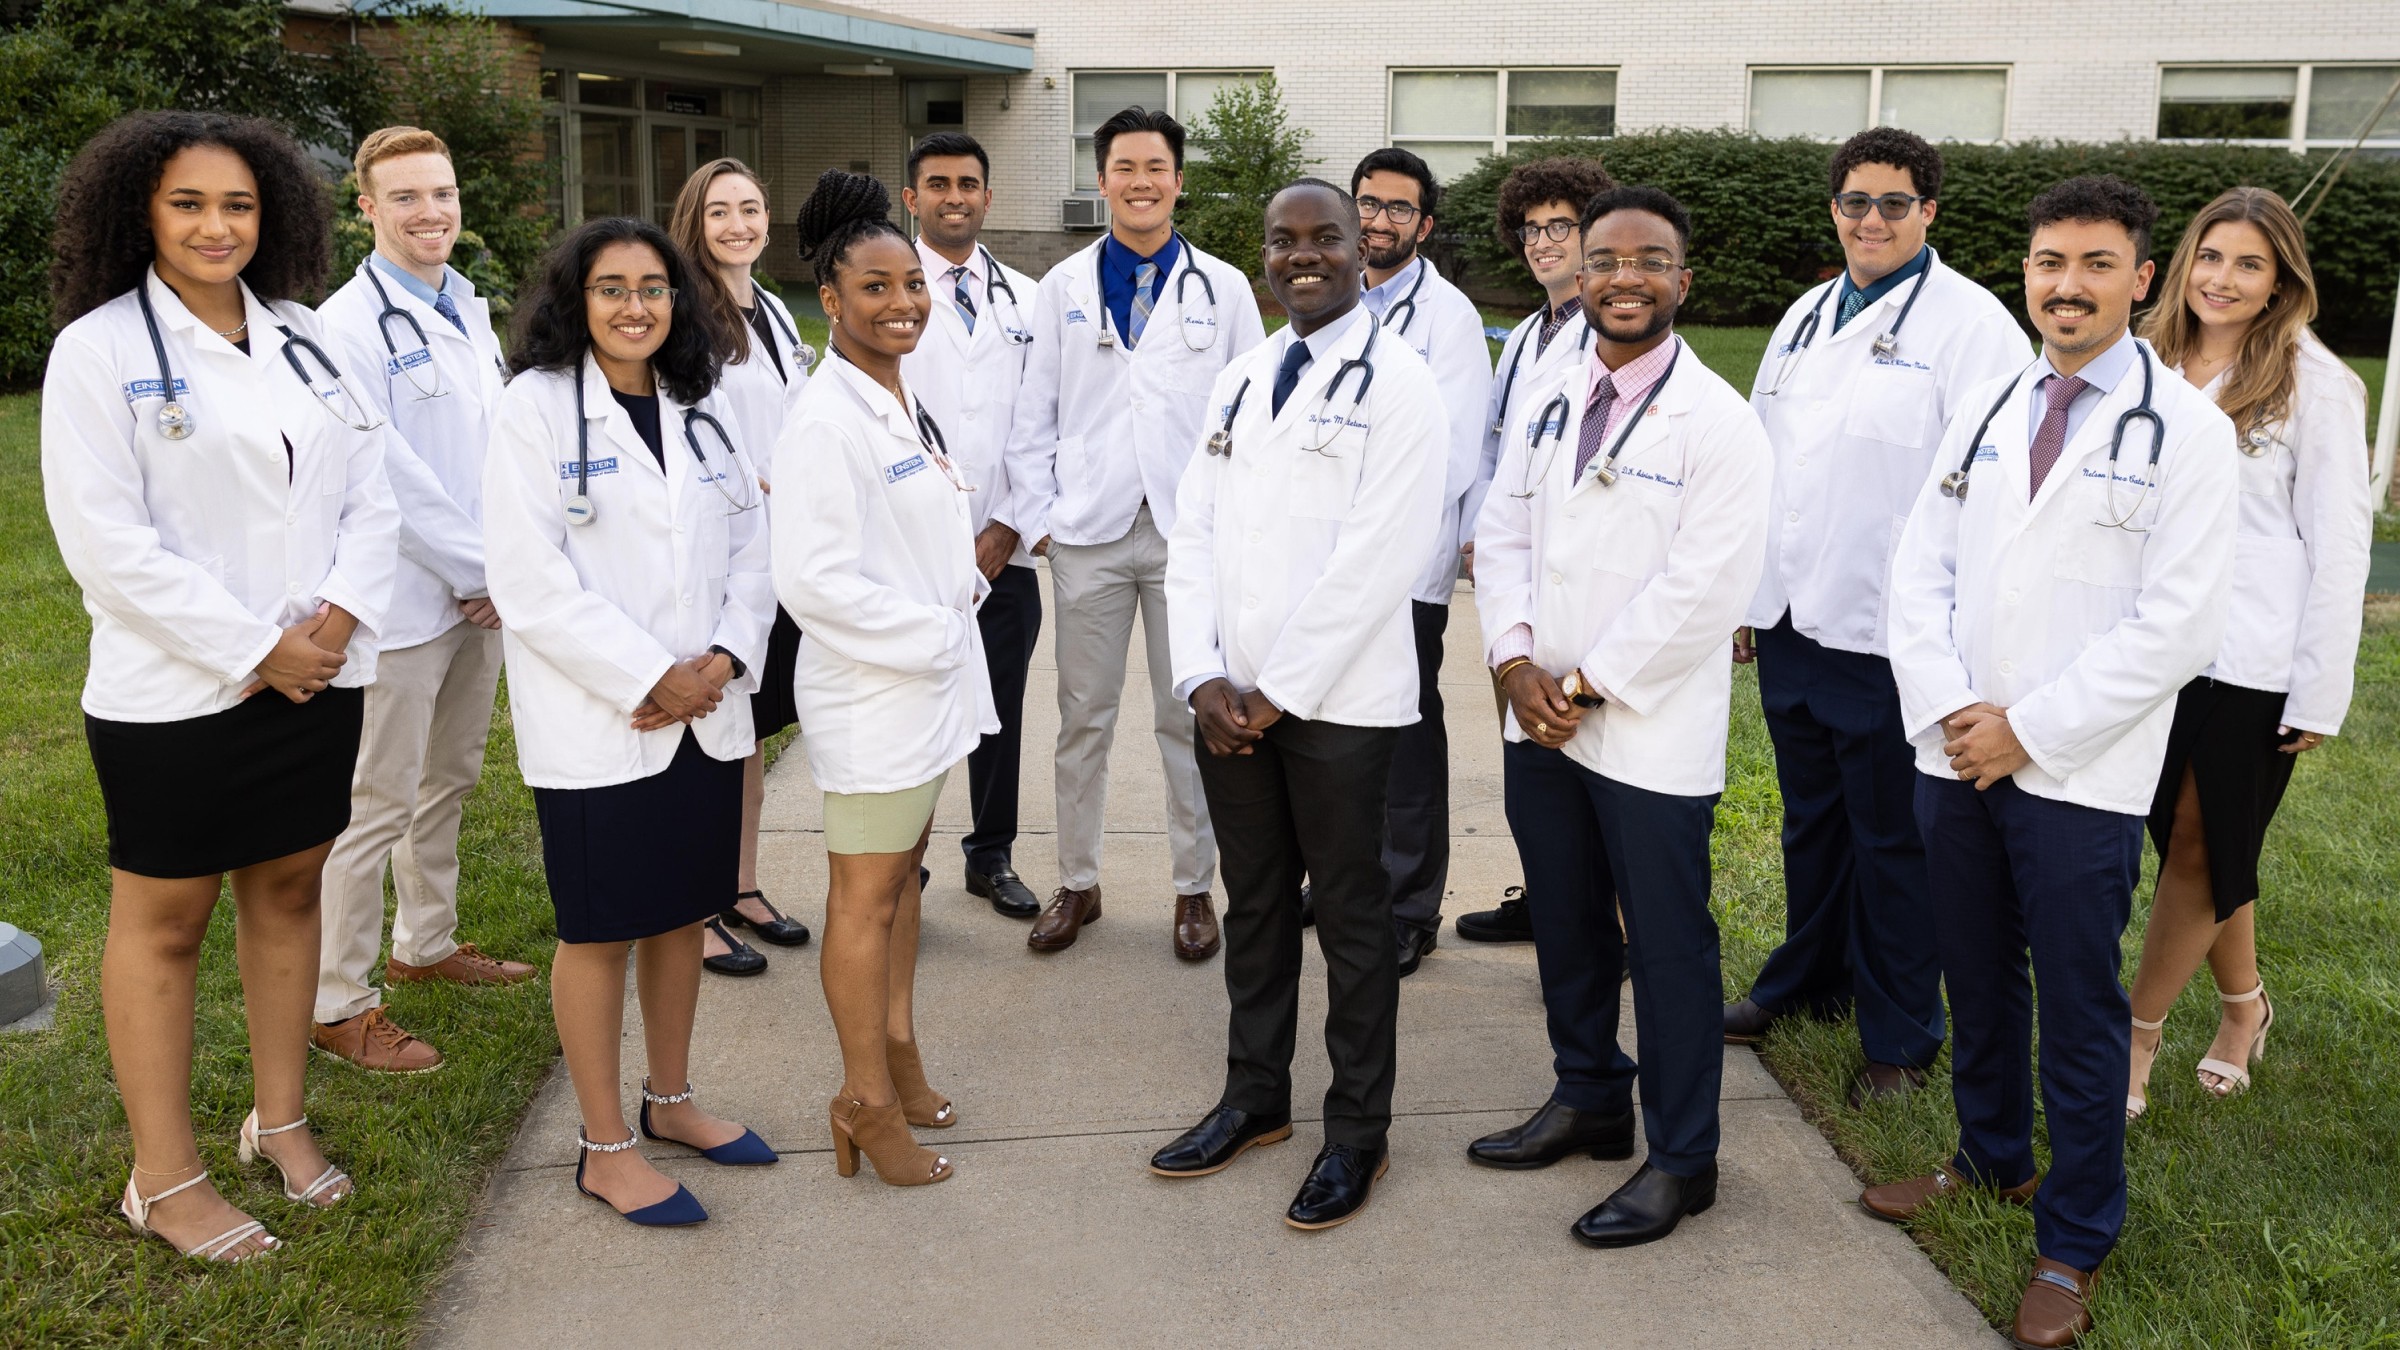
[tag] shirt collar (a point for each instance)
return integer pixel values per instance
(2102, 372)
(937, 267)
(1884, 285)
(1379, 299)
(1635, 376)
(874, 397)
(1119, 261)
(1325, 339)
(410, 281)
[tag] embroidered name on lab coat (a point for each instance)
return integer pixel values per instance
(2122, 476)
(136, 390)
(893, 473)
(1076, 316)
(1337, 419)
(598, 467)
(393, 365)
(1987, 454)
(1900, 361)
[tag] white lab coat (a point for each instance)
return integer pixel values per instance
(2300, 555)
(1279, 572)
(1854, 433)
(1100, 430)
(2083, 632)
(1639, 584)
(1446, 331)
(194, 555)
(593, 615)
(1505, 405)
(969, 381)
(876, 562)
(432, 447)
(760, 398)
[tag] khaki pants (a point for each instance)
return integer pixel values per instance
(428, 713)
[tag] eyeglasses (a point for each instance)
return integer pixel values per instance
(1558, 230)
(1608, 265)
(652, 295)
(1891, 205)
(1399, 213)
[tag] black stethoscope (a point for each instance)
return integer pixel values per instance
(803, 355)
(996, 284)
(1183, 279)
(423, 356)
(1954, 483)
(1553, 424)
(580, 510)
(1408, 302)
(175, 420)
(1516, 356)
(1220, 441)
(1887, 342)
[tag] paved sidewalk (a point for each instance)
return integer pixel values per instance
(1069, 1069)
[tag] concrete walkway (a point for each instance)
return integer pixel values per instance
(1069, 1069)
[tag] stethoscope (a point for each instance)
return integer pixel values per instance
(175, 420)
(1887, 342)
(1553, 424)
(1183, 280)
(803, 355)
(1516, 356)
(423, 356)
(1220, 441)
(1408, 302)
(996, 284)
(580, 510)
(1954, 483)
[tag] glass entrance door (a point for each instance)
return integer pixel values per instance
(677, 148)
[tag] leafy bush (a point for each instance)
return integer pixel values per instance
(1761, 235)
(1245, 148)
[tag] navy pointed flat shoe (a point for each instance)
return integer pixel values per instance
(680, 1210)
(747, 1151)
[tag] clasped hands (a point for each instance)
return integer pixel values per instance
(307, 656)
(1230, 721)
(1544, 712)
(689, 691)
(1982, 746)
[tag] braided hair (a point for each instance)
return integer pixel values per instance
(843, 209)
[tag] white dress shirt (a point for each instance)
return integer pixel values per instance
(1418, 305)
(2082, 631)
(1854, 432)
(593, 615)
(969, 380)
(876, 562)
(195, 555)
(1280, 571)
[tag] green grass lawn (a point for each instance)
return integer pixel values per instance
(2262, 1221)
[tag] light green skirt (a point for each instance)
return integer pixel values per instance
(880, 822)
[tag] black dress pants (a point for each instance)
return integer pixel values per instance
(1308, 801)
(1011, 620)
(1416, 844)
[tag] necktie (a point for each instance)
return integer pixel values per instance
(960, 297)
(1595, 424)
(1145, 294)
(2058, 394)
(1287, 377)
(448, 309)
(1852, 303)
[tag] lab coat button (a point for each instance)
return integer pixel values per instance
(1249, 602)
(1791, 516)
(2008, 667)
(1801, 462)
(293, 589)
(2010, 597)
(1557, 580)
(1139, 406)
(1254, 536)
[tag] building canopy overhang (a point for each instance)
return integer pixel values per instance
(768, 36)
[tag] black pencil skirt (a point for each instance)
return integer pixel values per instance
(2225, 735)
(634, 860)
(264, 779)
(773, 707)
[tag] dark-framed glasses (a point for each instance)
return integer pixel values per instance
(1891, 205)
(651, 295)
(1558, 230)
(1399, 213)
(1609, 264)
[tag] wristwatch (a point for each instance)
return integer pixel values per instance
(739, 670)
(1578, 692)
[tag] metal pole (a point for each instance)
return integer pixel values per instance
(2387, 422)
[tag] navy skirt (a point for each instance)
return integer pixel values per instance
(634, 860)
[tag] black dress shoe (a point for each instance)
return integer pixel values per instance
(1414, 943)
(1509, 923)
(1308, 907)
(1746, 1023)
(1011, 898)
(1222, 1135)
(1646, 1208)
(1552, 1132)
(782, 931)
(740, 957)
(1338, 1185)
(1883, 1082)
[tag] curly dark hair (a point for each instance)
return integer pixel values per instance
(1641, 197)
(843, 209)
(100, 234)
(553, 330)
(2098, 196)
(1903, 150)
(1564, 179)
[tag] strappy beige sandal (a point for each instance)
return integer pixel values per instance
(136, 1209)
(2233, 1078)
(2135, 1106)
(332, 1176)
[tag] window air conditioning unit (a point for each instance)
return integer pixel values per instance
(1083, 213)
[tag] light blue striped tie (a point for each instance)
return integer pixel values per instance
(1145, 294)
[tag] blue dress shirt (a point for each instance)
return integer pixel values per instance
(1117, 284)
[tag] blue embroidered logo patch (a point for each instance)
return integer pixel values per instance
(137, 390)
(407, 361)
(893, 473)
(1987, 454)
(1076, 316)
(597, 468)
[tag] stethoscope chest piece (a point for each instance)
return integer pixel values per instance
(579, 510)
(1886, 344)
(2256, 443)
(1954, 485)
(175, 421)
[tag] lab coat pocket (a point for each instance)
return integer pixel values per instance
(1629, 538)
(1892, 404)
(2101, 555)
(1322, 486)
(1073, 464)
(2270, 592)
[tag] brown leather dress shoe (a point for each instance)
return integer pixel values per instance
(1063, 919)
(1883, 1083)
(1899, 1201)
(2053, 1311)
(375, 1043)
(467, 965)
(1196, 935)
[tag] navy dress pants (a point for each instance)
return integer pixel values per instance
(2013, 875)
(1858, 920)
(1586, 842)
(1011, 620)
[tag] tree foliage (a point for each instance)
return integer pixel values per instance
(1241, 150)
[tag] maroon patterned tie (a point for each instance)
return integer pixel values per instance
(1595, 418)
(2058, 395)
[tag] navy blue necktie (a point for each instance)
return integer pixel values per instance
(1288, 376)
(448, 309)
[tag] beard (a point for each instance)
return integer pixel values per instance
(1397, 255)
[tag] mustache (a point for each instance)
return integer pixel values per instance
(2065, 301)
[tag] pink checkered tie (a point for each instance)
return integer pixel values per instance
(2058, 395)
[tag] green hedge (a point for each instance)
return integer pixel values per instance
(1760, 235)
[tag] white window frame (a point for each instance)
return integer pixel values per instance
(1079, 153)
(1875, 73)
(1500, 140)
(2299, 142)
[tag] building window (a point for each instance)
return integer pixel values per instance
(2299, 107)
(626, 143)
(936, 104)
(1102, 94)
(1455, 117)
(1938, 103)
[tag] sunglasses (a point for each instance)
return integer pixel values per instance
(1891, 205)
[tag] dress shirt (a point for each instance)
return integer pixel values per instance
(979, 287)
(1875, 290)
(415, 284)
(1554, 319)
(1380, 299)
(1117, 283)
(2099, 375)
